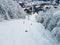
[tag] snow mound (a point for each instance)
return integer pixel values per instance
(24, 32)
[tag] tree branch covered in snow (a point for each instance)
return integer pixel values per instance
(51, 21)
(10, 10)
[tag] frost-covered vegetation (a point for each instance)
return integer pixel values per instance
(51, 20)
(10, 10)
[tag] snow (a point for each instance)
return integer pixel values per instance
(24, 32)
(32, 17)
(27, 31)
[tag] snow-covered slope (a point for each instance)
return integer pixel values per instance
(24, 32)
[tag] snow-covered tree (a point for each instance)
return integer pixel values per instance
(51, 21)
(11, 10)
(49, 18)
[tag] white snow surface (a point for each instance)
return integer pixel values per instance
(24, 32)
